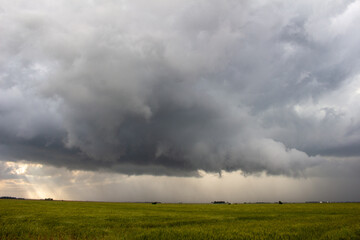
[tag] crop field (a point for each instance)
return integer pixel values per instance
(26, 219)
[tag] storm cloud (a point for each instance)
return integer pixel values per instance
(173, 87)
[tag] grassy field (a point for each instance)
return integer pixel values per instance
(25, 219)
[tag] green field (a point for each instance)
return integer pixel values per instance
(25, 219)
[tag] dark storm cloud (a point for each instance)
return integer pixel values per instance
(172, 88)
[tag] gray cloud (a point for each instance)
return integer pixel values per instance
(172, 88)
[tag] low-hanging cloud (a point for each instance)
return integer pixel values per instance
(178, 86)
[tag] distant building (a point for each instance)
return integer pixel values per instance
(218, 202)
(48, 199)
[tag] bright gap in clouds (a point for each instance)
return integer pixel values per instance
(36, 181)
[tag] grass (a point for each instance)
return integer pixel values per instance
(25, 219)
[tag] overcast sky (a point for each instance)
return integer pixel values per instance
(187, 101)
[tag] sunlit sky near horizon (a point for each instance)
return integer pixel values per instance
(180, 101)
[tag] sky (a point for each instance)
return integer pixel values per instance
(180, 101)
